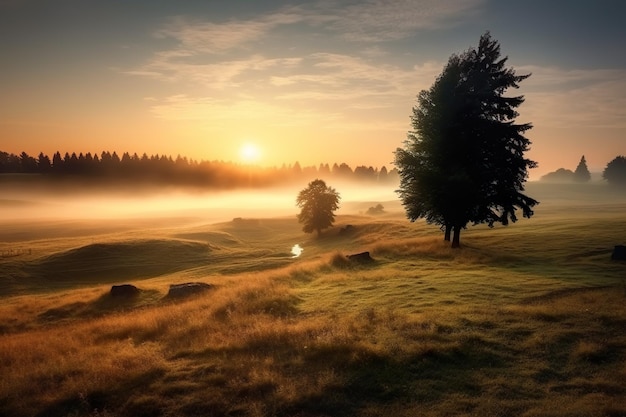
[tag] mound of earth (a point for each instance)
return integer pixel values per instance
(122, 260)
(213, 237)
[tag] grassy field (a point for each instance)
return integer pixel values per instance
(524, 320)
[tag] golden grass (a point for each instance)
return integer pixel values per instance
(247, 348)
(526, 320)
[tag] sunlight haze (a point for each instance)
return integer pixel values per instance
(250, 153)
(310, 81)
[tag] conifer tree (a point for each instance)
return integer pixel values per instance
(582, 173)
(464, 162)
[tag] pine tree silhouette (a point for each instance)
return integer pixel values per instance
(582, 172)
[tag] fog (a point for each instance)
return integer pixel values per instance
(53, 203)
(32, 203)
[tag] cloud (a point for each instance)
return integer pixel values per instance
(295, 56)
(369, 21)
(216, 112)
(324, 90)
(385, 20)
(355, 81)
(216, 75)
(574, 98)
(213, 38)
(219, 49)
(221, 114)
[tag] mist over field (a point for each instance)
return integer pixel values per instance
(53, 201)
(86, 208)
(37, 202)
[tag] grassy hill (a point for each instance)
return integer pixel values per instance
(524, 320)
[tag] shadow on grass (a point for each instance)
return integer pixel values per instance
(515, 360)
(361, 377)
(382, 380)
(103, 305)
(100, 403)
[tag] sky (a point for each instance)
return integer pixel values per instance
(275, 82)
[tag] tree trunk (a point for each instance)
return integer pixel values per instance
(447, 231)
(456, 239)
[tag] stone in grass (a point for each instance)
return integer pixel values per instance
(619, 253)
(124, 291)
(363, 257)
(188, 288)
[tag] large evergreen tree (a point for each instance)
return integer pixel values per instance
(464, 162)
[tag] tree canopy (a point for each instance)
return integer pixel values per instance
(615, 172)
(318, 203)
(464, 162)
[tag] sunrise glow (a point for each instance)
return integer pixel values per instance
(319, 81)
(250, 153)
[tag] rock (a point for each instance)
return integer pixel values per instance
(619, 253)
(362, 257)
(346, 229)
(187, 289)
(124, 291)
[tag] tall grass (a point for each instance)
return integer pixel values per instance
(526, 320)
(247, 349)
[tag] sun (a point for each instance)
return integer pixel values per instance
(250, 152)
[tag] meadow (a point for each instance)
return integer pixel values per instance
(524, 320)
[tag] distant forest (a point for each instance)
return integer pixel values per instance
(161, 169)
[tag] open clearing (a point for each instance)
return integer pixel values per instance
(524, 320)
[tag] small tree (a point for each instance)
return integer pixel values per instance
(464, 159)
(375, 210)
(582, 173)
(318, 203)
(615, 172)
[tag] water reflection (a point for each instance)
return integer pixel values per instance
(296, 250)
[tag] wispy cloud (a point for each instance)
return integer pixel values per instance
(326, 57)
(200, 47)
(384, 20)
(347, 78)
(197, 37)
(216, 75)
(220, 113)
(368, 21)
(574, 98)
(330, 86)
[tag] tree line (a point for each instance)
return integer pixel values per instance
(163, 169)
(614, 173)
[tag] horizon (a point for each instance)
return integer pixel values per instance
(278, 81)
(248, 160)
